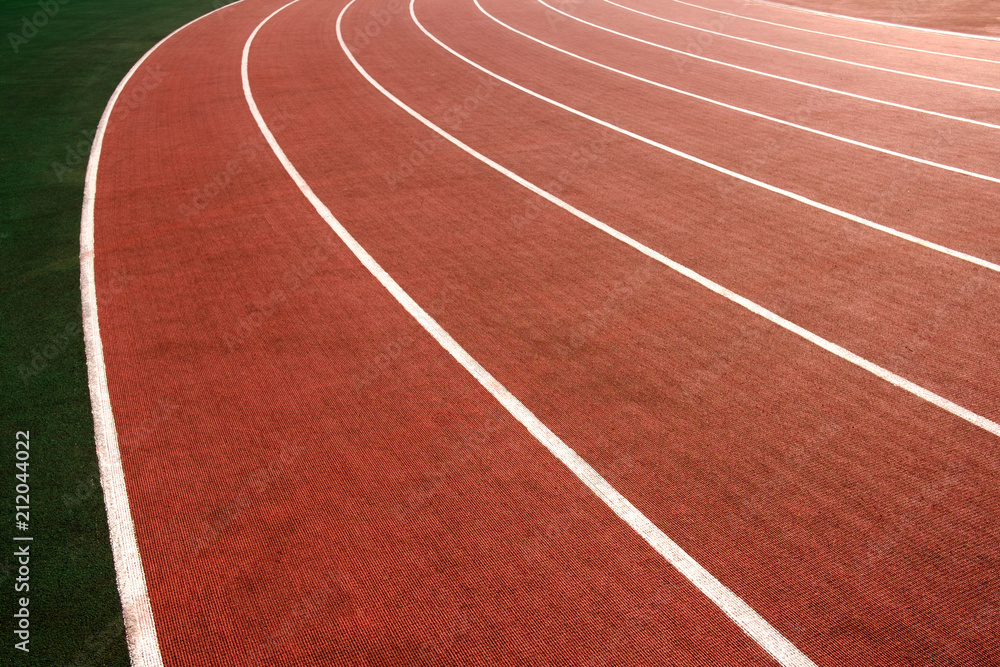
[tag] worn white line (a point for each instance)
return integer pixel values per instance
(786, 49)
(777, 77)
(835, 35)
(140, 627)
(836, 137)
(749, 620)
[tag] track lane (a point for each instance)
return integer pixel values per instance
(743, 110)
(748, 620)
(313, 480)
(897, 32)
(854, 54)
(848, 58)
(730, 16)
(137, 614)
(962, 145)
(822, 178)
(966, 105)
(617, 392)
(848, 287)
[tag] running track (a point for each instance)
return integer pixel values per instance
(504, 334)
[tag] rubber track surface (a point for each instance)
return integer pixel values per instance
(314, 480)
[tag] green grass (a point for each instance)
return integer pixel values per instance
(52, 93)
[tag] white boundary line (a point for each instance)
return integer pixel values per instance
(723, 170)
(853, 142)
(925, 77)
(140, 628)
(732, 605)
(831, 34)
(777, 77)
(952, 33)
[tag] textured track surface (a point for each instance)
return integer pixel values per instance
(313, 479)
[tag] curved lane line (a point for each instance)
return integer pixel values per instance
(837, 137)
(732, 605)
(807, 53)
(830, 34)
(777, 77)
(845, 354)
(140, 628)
(723, 170)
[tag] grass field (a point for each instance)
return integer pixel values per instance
(59, 64)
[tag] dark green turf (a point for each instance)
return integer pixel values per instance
(52, 93)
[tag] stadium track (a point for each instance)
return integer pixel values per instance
(313, 479)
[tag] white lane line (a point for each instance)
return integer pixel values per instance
(140, 628)
(732, 605)
(723, 170)
(817, 12)
(843, 353)
(830, 34)
(756, 114)
(887, 375)
(747, 40)
(778, 77)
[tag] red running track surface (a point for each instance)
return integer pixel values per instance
(314, 480)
